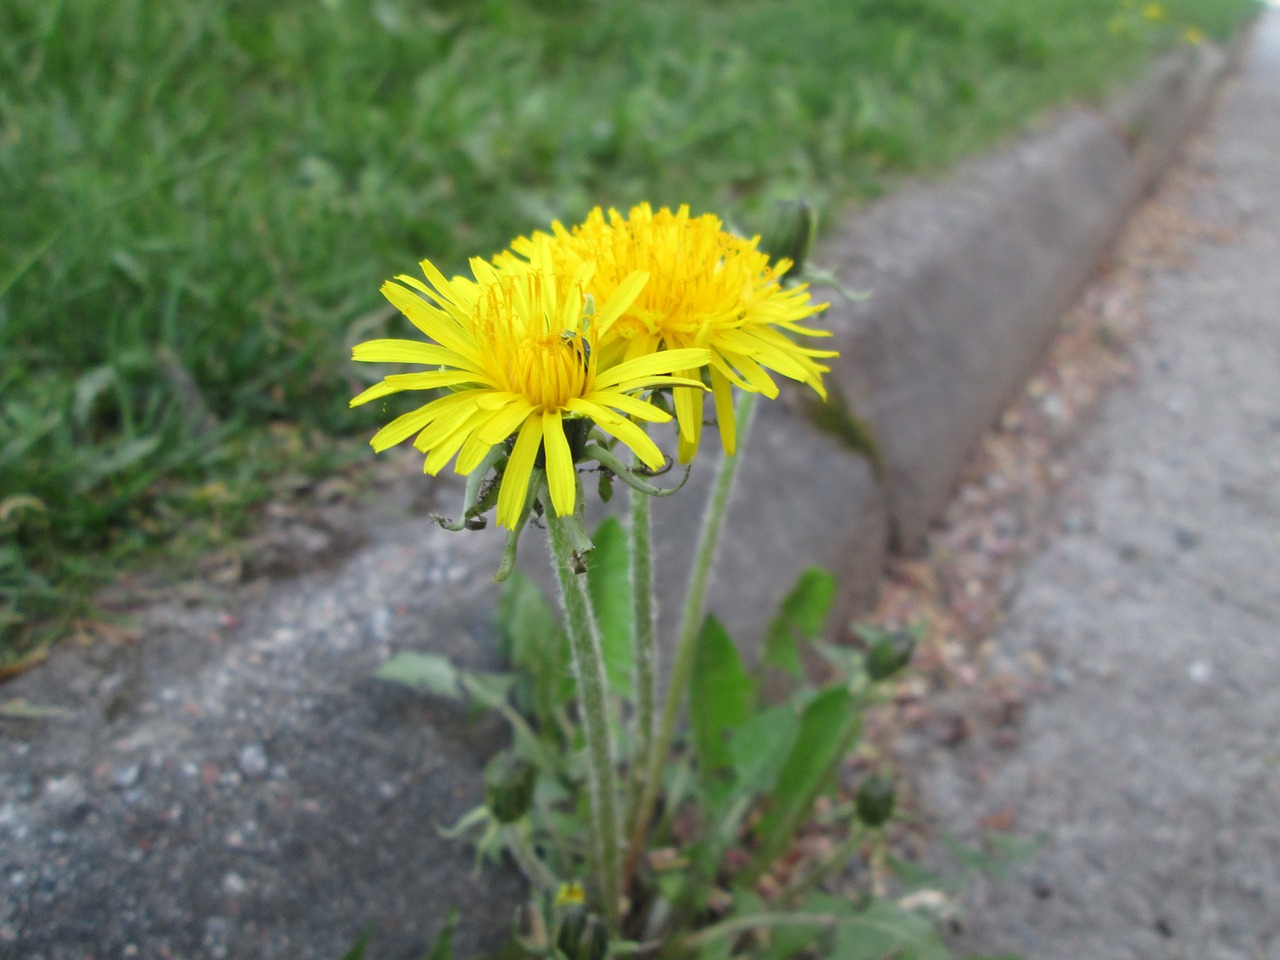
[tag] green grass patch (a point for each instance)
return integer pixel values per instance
(201, 198)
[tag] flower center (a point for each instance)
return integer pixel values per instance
(525, 346)
(551, 369)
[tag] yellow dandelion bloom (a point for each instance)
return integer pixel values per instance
(519, 350)
(1193, 36)
(1153, 12)
(707, 289)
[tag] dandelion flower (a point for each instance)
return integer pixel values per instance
(707, 289)
(519, 351)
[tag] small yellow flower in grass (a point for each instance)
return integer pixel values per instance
(707, 288)
(1153, 12)
(1193, 36)
(519, 349)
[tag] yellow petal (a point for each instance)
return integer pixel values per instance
(758, 381)
(379, 389)
(406, 351)
(628, 386)
(722, 390)
(442, 427)
(688, 404)
(410, 423)
(435, 323)
(623, 297)
(561, 478)
(455, 299)
(473, 451)
(515, 479)
(504, 421)
(442, 450)
(622, 428)
(631, 406)
(665, 361)
(413, 381)
(404, 426)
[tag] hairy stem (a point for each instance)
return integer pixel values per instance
(588, 668)
(644, 645)
(690, 619)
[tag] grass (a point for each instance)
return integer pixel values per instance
(201, 197)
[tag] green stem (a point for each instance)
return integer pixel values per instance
(691, 616)
(645, 645)
(588, 668)
(517, 836)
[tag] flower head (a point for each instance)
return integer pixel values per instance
(519, 351)
(707, 289)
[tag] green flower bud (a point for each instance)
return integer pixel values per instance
(509, 780)
(790, 235)
(582, 935)
(875, 800)
(889, 654)
(573, 923)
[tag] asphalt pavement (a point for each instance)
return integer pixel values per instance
(1152, 771)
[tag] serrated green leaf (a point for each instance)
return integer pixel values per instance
(788, 941)
(800, 617)
(721, 694)
(885, 931)
(442, 948)
(912, 876)
(609, 583)
(536, 647)
(828, 727)
(428, 672)
(759, 747)
(361, 945)
(489, 690)
(718, 949)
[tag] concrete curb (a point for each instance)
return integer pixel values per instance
(969, 276)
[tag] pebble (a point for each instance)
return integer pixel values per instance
(1186, 539)
(64, 793)
(126, 776)
(1200, 671)
(217, 936)
(234, 885)
(252, 760)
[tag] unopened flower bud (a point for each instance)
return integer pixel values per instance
(582, 935)
(875, 800)
(790, 235)
(509, 780)
(889, 654)
(594, 944)
(573, 923)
